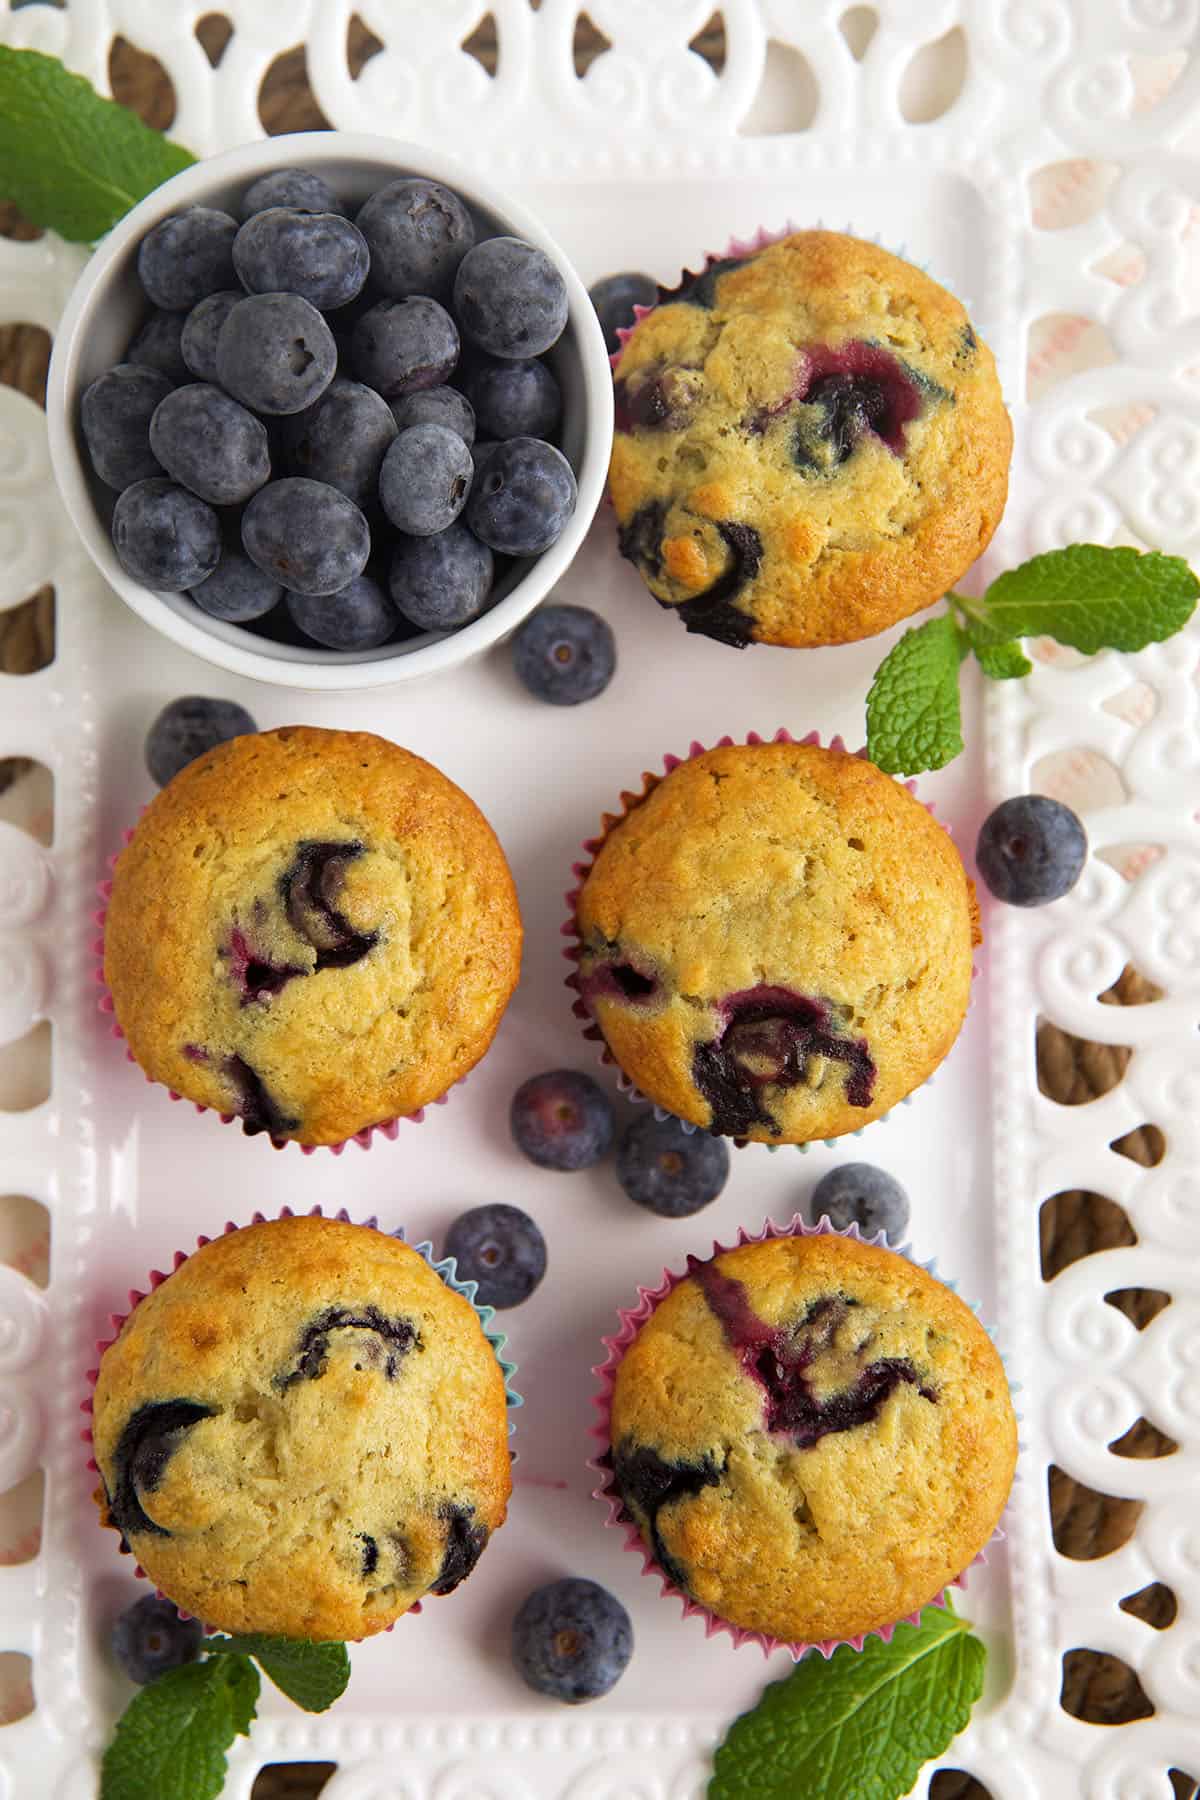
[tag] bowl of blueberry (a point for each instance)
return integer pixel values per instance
(330, 412)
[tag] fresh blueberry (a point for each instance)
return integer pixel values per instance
(201, 329)
(321, 256)
(523, 498)
(668, 1170)
(359, 617)
(150, 1637)
(572, 1640)
(186, 728)
(1031, 850)
(275, 353)
(425, 479)
(436, 406)
(511, 398)
(443, 581)
(307, 535)
(562, 1120)
(212, 445)
(298, 188)
(159, 345)
(481, 449)
(187, 257)
(404, 344)
(341, 439)
(509, 298)
(860, 1194)
(565, 654)
(237, 591)
(614, 299)
(165, 536)
(501, 1249)
(418, 232)
(115, 413)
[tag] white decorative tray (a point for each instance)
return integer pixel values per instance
(646, 162)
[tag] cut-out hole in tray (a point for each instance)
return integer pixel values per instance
(24, 360)
(788, 97)
(1141, 1306)
(1101, 1689)
(21, 1520)
(1063, 194)
(858, 25)
(1075, 1223)
(587, 43)
(213, 33)
(292, 1781)
(361, 45)
(956, 1784)
(1143, 1442)
(138, 80)
(25, 1070)
(26, 645)
(27, 797)
(1072, 1071)
(25, 1237)
(16, 1687)
(709, 42)
(1086, 1524)
(1145, 1144)
(286, 101)
(934, 78)
(1131, 988)
(1154, 1605)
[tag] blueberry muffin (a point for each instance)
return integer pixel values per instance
(775, 942)
(812, 1436)
(314, 929)
(811, 444)
(302, 1431)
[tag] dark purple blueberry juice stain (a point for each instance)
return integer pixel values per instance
(370, 1554)
(195, 1053)
(149, 1439)
(778, 1358)
(256, 977)
(712, 613)
(396, 1338)
(310, 888)
(766, 1037)
(647, 1483)
(466, 1540)
(620, 979)
(257, 1106)
(860, 389)
(656, 398)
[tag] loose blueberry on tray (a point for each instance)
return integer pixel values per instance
(302, 397)
(562, 1120)
(1031, 850)
(668, 1170)
(186, 728)
(860, 1194)
(150, 1637)
(501, 1249)
(572, 1640)
(614, 299)
(565, 654)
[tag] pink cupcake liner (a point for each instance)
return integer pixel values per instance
(444, 1267)
(387, 1128)
(632, 1319)
(573, 951)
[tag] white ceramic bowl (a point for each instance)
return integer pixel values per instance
(103, 314)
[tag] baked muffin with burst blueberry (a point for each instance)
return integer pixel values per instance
(314, 929)
(813, 1436)
(775, 941)
(811, 443)
(303, 1430)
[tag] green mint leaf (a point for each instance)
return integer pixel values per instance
(913, 717)
(1002, 662)
(1092, 597)
(313, 1675)
(172, 1737)
(861, 1726)
(73, 161)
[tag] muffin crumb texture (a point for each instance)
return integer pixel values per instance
(776, 942)
(813, 1437)
(303, 1431)
(811, 444)
(313, 929)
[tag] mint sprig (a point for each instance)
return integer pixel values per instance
(73, 161)
(172, 1738)
(862, 1725)
(1089, 596)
